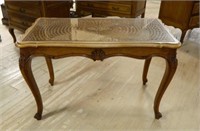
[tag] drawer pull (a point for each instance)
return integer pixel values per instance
(22, 10)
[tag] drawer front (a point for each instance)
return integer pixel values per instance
(194, 21)
(21, 3)
(120, 2)
(106, 6)
(59, 9)
(53, 3)
(105, 14)
(27, 8)
(20, 21)
(17, 26)
(195, 8)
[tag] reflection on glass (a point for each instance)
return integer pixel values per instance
(98, 29)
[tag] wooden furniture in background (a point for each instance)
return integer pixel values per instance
(5, 15)
(22, 14)
(111, 8)
(180, 14)
(97, 39)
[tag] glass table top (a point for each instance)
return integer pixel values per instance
(98, 32)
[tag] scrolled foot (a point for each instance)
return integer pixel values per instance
(38, 116)
(51, 82)
(145, 81)
(158, 115)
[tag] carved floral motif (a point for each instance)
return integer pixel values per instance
(98, 54)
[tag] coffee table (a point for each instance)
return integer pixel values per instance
(98, 39)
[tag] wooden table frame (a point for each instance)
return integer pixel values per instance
(26, 55)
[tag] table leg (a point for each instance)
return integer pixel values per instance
(25, 67)
(50, 68)
(11, 30)
(145, 70)
(143, 14)
(171, 65)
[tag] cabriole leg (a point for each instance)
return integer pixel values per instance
(25, 67)
(171, 65)
(50, 68)
(145, 70)
(11, 31)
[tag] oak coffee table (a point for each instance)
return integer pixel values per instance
(98, 39)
